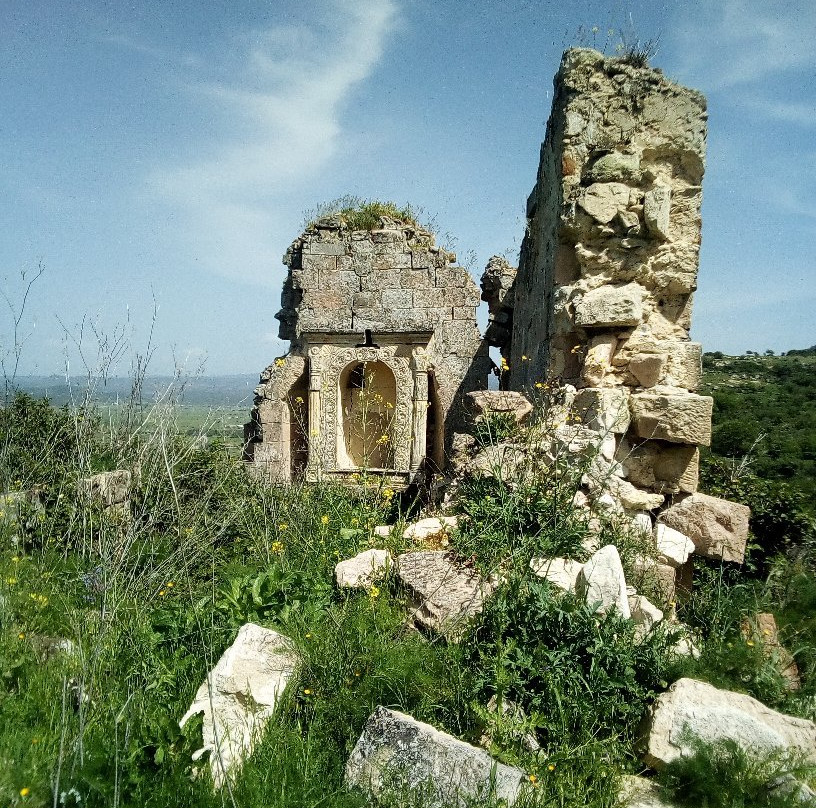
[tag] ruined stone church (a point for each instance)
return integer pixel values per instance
(382, 323)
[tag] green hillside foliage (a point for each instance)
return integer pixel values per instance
(765, 416)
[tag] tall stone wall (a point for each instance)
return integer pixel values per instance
(608, 266)
(388, 294)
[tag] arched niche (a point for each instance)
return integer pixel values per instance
(367, 393)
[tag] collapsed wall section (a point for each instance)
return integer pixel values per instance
(609, 263)
(387, 296)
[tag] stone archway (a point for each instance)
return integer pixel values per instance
(366, 416)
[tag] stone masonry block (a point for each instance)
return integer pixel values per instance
(677, 417)
(718, 528)
(605, 409)
(610, 307)
(663, 467)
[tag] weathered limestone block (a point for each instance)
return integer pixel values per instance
(108, 488)
(616, 167)
(718, 528)
(640, 792)
(598, 360)
(648, 369)
(560, 572)
(653, 576)
(430, 528)
(610, 307)
(762, 629)
(667, 468)
(499, 402)
(656, 206)
(398, 754)
(645, 615)
(601, 581)
(603, 200)
(673, 547)
(605, 409)
(363, 570)
(677, 417)
(445, 594)
(239, 697)
(698, 710)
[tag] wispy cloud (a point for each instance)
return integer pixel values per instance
(284, 101)
(731, 43)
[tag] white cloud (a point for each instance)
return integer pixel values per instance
(284, 105)
(732, 43)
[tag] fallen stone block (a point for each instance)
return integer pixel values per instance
(651, 575)
(484, 403)
(363, 570)
(673, 547)
(444, 593)
(396, 754)
(645, 615)
(762, 630)
(434, 527)
(109, 488)
(690, 710)
(677, 417)
(718, 527)
(560, 572)
(601, 582)
(639, 792)
(239, 697)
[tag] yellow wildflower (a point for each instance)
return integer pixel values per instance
(551, 767)
(280, 362)
(307, 691)
(170, 584)
(538, 385)
(533, 779)
(374, 592)
(277, 547)
(525, 358)
(324, 520)
(504, 365)
(750, 643)
(24, 792)
(298, 399)
(283, 526)
(387, 493)
(21, 635)
(162, 593)
(382, 440)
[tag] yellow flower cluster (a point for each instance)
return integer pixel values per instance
(277, 547)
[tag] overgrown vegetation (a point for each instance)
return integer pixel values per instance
(150, 598)
(356, 213)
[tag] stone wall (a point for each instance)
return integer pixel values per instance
(386, 295)
(609, 263)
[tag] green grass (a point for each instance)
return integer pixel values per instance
(151, 601)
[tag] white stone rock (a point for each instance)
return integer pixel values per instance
(673, 547)
(363, 570)
(692, 709)
(430, 528)
(445, 594)
(645, 615)
(239, 697)
(638, 792)
(398, 754)
(656, 207)
(611, 307)
(561, 572)
(603, 200)
(601, 581)
(383, 531)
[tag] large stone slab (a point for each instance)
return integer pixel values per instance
(668, 468)
(718, 527)
(398, 754)
(109, 488)
(444, 593)
(638, 792)
(610, 307)
(560, 572)
(673, 547)
(677, 417)
(691, 709)
(601, 581)
(239, 697)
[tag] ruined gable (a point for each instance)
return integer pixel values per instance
(384, 344)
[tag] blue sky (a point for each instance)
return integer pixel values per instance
(162, 155)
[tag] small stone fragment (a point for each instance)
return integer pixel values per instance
(673, 547)
(363, 570)
(560, 572)
(601, 581)
(602, 200)
(656, 207)
(434, 527)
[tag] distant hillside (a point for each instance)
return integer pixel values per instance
(200, 391)
(766, 405)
